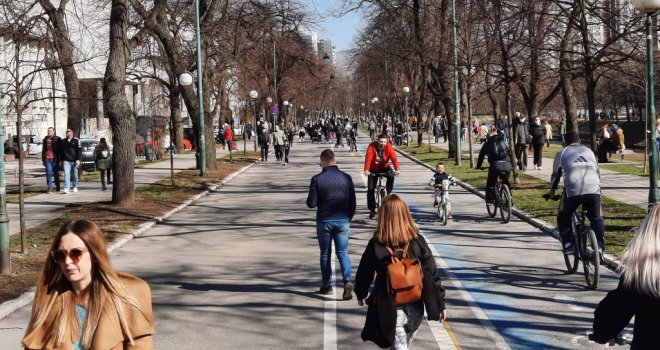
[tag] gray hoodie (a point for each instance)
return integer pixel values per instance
(580, 168)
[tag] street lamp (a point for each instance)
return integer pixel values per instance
(650, 7)
(286, 111)
(253, 95)
(269, 100)
(5, 262)
(186, 79)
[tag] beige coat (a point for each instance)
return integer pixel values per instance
(108, 335)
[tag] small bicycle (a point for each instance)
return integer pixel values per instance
(586, 248)
(502, 200)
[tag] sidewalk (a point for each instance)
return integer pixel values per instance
(625, 188)
(44, 207)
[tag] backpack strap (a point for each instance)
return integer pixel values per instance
(394, 257)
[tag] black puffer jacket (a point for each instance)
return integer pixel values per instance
(381, 313)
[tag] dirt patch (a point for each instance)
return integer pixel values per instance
(150, 201)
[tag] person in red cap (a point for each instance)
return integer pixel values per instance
(377, 163)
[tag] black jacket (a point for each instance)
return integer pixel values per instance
(333, 194)
(490, 149)
(538, 134)
(70, 150)
(55, 144)
(619, 306)
(381, 313)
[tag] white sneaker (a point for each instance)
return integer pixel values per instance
(75, 190)
(535, 167)
(540, 168)
(66, 190)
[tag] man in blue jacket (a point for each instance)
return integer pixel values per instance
(332, 193)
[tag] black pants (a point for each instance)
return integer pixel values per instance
(371, 187)
(279, 152)
(287, 149)
(590, 202)
(538, 154)
(105, 173)
(493, 174)
(521, 155)
(264, 153)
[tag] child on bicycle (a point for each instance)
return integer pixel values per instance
(440, 181)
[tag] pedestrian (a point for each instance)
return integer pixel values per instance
(333, 194)
(437, 132)
(538, 140)
(444, 128)
(70, 154)
(464, 129)
(103, 162)
(638, 292)
(521, 139)
(278, 143)
(548, 131)
(287, 149)
(389, 325)
(248, 131)
(264, 142)
(50, 159)
(229, 137)
(502, 126)
(82, 303)
(562, 129)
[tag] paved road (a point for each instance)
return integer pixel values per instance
(238, 270)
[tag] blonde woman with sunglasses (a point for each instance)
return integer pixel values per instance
(389, 325)
(82, 303)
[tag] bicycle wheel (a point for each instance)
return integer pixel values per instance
(571, 260)
(382, 193)
(442, 212)
(491, 208)
(377, 198)
(505, 203)
(591, 259)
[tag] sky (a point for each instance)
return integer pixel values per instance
(339, 30)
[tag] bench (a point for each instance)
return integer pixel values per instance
(622, 152)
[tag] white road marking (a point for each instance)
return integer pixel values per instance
(568, 301)
(330, 315)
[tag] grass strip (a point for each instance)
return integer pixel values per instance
(150, 201)
(620, 219)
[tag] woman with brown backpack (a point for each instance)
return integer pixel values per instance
(397, 254)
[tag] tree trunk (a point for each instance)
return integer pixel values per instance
(175, 114)
(512, 143)
(64, 49)
(19, 132)
(117, 108)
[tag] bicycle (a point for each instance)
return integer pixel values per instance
(380, 191)
(502, 200)
(443, 202)
(586, 248)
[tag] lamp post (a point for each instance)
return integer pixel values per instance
(362, 117)
(373, 103)
(406, 90)
(457, 104)
(5, 262)
(650, 7)
(269, 100)
(286, 111)
(186, 79)
(253, 95)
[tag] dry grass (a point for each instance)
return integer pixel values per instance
(150, 201)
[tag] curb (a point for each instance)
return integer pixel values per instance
(609, 261)
(10, 306)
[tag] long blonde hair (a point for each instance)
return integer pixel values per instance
(106, 291)
(396, 226)
(642, 256)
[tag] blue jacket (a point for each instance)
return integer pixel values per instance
(333, 194)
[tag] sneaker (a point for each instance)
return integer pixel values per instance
(540, 168)
(75, 190)
(66, 190)
(449, 216)
(50, 191)
(535, 167)
(435, 204)
(325, 290)
(568, 248)
(372, 214)
(348, 291)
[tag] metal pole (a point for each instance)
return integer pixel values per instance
(457, 105)
(200, 94)
(254, 103)
(172, 136)
(5, 262)
(651, 117)
(405, 121)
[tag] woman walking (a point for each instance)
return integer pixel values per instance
(387, 324)
(82, 303)
(537, 132)
(103, 162)
(548, 132)
(638, 293)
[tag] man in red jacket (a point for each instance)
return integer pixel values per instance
(377, 161)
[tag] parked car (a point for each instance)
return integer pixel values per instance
(31, 144)
(88, 146)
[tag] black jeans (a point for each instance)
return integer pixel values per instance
(538, 154)
(279, 152)
(590, 202)
(106, 173)
(264, 153)
(521, 155)
(493, 174)
(371, 186)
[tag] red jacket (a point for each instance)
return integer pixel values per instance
(229, 135)
(374, 163)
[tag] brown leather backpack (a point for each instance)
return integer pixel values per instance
(404, 277)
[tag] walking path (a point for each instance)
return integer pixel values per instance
(625, 188)
(44, 207)
(246, 268)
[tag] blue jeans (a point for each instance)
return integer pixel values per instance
(69, 170)
(333, 230)
(52, 168)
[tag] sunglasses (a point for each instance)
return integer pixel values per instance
(59, 256)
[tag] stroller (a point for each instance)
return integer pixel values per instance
(316, 135)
